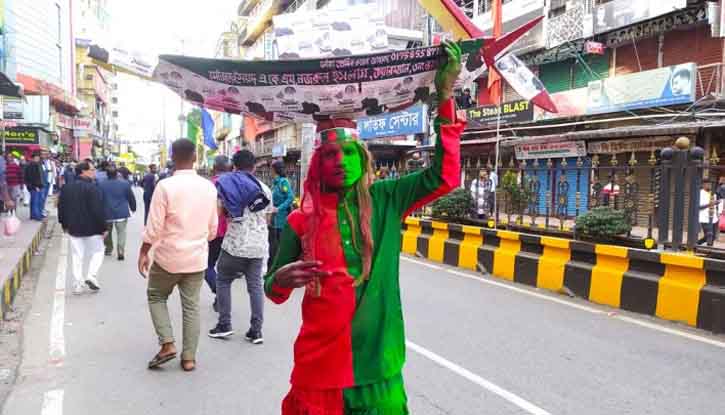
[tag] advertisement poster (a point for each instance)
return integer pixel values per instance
(659, 87)
(551, 150)
(350, 86)
(571, 103)
(519, 76)
(511, 112)
(22, 135)
(619, 13)
(325, 33)
(408, 122)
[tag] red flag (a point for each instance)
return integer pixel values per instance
(494, 79)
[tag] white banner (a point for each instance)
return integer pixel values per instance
(551, 150)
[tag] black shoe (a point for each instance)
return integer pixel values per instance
(121, 257)
(220, 331)
(109, 253)
(254, 337)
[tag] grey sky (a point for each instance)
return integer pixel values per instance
(154, 27)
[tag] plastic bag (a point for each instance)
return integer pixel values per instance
(11, 224)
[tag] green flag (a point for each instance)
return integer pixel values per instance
(192, 130)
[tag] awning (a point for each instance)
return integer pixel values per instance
(9, 88)
(685, 128)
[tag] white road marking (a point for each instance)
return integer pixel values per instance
(631, 320)
(57, 337)
(489, 386)
(53, 402)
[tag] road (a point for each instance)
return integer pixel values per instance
(476, 345)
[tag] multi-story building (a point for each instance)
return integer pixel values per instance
(628, 78)
(39, 54)
(96, 85)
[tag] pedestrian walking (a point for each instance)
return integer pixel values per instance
(221, 166)
(710, 209)
(14, 178)
(246, 200)
(124, 171)
(282, 198)
(149, 184)
(182, 220)
(35, 179)
(119, 202)
(102, 175)
(343, 245)
(50, 173)
(69, 173)
(81, 215)
(482, 192)
(7, 201)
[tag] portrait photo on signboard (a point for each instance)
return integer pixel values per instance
(521, 79)
(681, 82)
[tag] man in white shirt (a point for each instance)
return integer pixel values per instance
(709, 217)
(244, 252)
(482, 191)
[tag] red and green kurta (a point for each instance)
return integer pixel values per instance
(353, 336)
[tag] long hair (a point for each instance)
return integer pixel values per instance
(311, 208)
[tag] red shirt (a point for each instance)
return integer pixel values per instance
(222, 228)
(14, 174)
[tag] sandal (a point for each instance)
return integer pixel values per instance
(159, 360)
(188, 368)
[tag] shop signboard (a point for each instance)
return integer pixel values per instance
(132, 63)
(511, 112)
(21, 135)
(12, 108)
(82, 123)
(648, 144)
(64, 121)
(619, 13)
(515, 14)
(551, 150)
(670, 85)
(408, 122)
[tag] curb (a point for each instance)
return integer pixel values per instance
(12, 280)
(671, 286)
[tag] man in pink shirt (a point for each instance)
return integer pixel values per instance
(182, 220)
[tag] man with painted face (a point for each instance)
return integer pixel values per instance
(343, 245)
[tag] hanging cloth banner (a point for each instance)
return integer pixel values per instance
(349, 86)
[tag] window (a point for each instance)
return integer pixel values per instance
(89, 77)
(115, 114)
(114, 100)
(557, 7)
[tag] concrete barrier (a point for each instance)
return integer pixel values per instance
(676, 287)
(19, 264)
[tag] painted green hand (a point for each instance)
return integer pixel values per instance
(448, 73)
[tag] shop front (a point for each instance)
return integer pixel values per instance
(25, 140)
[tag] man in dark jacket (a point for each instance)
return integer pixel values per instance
(149, 184)
(35, 180)
(81, 214)
(117, 199)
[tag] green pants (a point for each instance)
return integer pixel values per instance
(120, 236)
(160, 286)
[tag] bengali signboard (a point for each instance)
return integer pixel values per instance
(628, 146)
(619, 13)
(13, 108)
(351, 86)
(671, 85)
(401, 123)
(511, 112)
(659, 87)
(551, 150)
(329, 32)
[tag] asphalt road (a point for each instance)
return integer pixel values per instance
(476, 346)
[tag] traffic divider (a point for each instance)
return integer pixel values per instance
(672, 286)
(11, 278)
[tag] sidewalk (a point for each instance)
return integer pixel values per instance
(16, 253)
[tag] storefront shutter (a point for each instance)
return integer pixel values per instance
(595, 67)
(556, 76)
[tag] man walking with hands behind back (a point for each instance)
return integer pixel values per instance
(117, 199)
(82, 216)
(181, 222)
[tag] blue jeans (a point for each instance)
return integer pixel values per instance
(36, 207)
(231, 268)
(46, 190)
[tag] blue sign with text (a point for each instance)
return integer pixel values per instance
(407, 122)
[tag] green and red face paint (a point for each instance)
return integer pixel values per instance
(341, 158)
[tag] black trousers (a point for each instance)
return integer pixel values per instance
(146, 205)
(274, 234)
